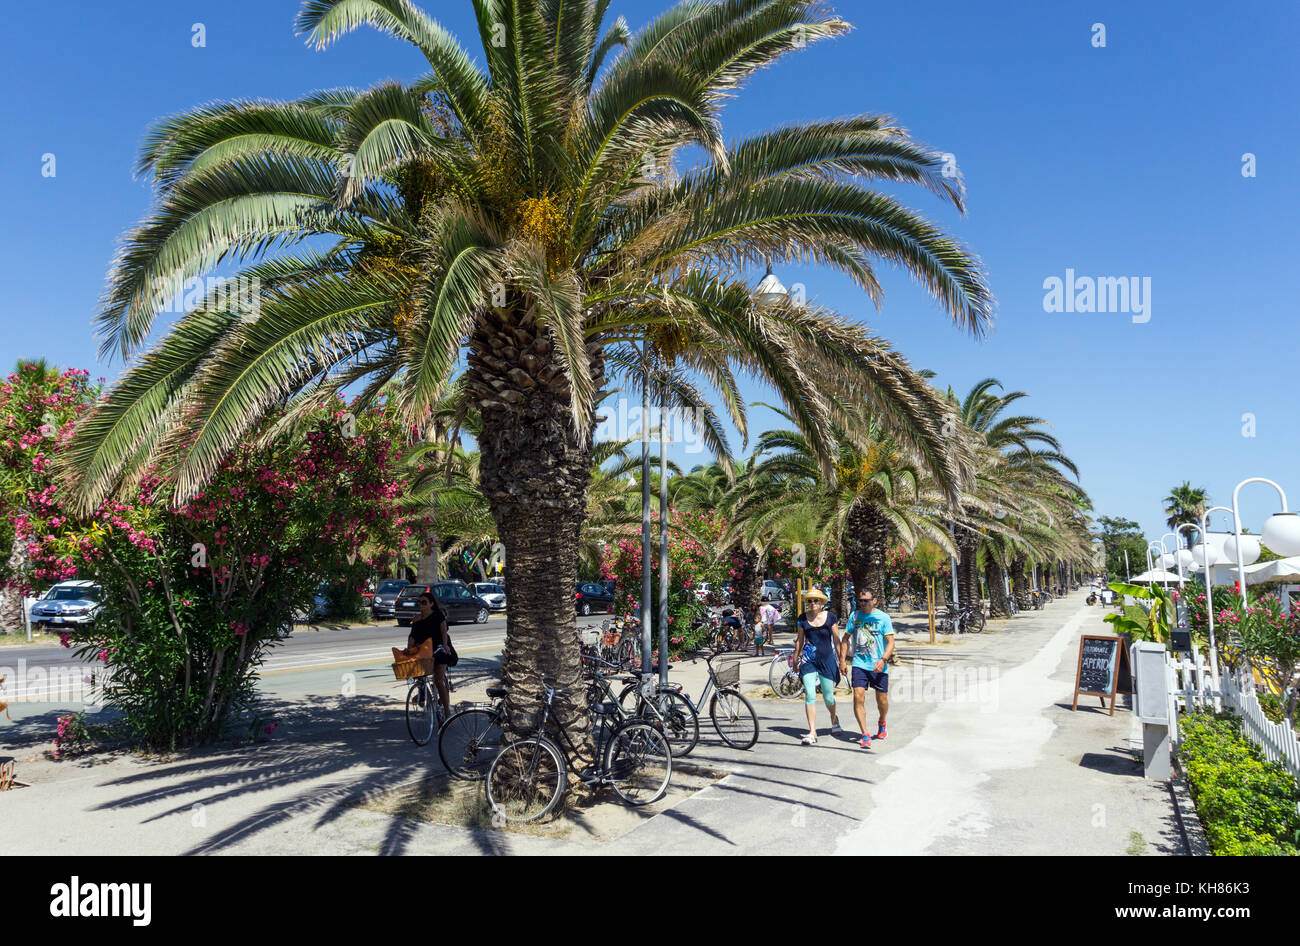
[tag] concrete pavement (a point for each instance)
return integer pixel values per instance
(984, 756)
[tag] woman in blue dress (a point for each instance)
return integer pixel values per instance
(816, 648)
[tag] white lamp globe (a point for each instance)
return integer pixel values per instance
(1216, 540)
(1184, 558)
(1249, 549)
(1215, 554)
(769, 289)
(1165, 561)
(1281, 533)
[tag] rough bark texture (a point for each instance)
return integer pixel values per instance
(866, 541)
(1020, 582)
(998, 604)
(427, 569)
(968, 588)
(749, 582)
(534, 470)
(13, 619)
(839, 600)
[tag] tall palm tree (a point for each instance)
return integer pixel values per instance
(1184, 505)
(532, 214)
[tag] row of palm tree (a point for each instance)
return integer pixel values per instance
(530, 212)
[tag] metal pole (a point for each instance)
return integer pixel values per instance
(1128, 574)
(646, 616)
(1209, 599)
(952, 533)
(663, 546)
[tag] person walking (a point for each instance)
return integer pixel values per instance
(817, 649)
(768, 615)
(869, 637)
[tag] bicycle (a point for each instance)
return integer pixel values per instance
(731, 714)
(781, 675)
(965, 620)
(471, 738)
(619, 640)
(424, 715)
(527, 779)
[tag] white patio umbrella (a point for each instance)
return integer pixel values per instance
(1282, 569)
(1155, 574)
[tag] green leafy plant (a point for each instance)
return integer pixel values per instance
(1142, 623)
(1247, 804)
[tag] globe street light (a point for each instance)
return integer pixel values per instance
(1280, 528)
(1210, 557)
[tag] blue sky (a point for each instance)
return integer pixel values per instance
(1122, 161)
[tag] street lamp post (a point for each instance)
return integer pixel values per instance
(645, 506)
(1210, 557)
(663, 543)
(1281, 532)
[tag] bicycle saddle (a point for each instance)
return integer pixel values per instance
(604, 709)
(495, 693)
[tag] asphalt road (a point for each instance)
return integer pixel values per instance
(293, 665)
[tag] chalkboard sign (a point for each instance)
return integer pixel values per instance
(1101, 658)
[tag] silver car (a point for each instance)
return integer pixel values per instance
(492, 593)
(68, 604)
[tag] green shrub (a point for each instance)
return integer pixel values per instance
(1247, 804)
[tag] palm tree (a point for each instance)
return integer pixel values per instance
(531, 214)
(1184, 505)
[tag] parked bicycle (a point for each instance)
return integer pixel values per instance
(471, 738)
(781, 675)
(732, 715)
(528, 777)
(966, 620)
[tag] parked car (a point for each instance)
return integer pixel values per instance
(703, 590)
(386, 596)
(593, 597)
(771, 591)
(492, 593)
(457, 601)
(68, 604)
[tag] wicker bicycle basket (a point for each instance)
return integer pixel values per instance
(412, 667)
(727, 673)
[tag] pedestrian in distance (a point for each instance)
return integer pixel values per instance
(817, 649)
(768, 615)
(869, 641)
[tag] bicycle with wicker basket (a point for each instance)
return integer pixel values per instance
(732, 715)
(424, 715)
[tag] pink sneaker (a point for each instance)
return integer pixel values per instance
(864, 742)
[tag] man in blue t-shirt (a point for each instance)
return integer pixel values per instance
(869, 638)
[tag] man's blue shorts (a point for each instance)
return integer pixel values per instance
(869, 678)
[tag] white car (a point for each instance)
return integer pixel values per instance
(772, 591)
(702, 590)
(68, 604)
(492, 593)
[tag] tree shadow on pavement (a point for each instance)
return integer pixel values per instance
(345, 750)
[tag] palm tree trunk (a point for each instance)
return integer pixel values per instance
(866, 543)
(968, 586)
(534, 471)
(749, 582)
(998, 604)
(839, 602)
(426, 572)
(13, 619)
(1020, 582)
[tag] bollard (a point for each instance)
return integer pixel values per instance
(1151, 691)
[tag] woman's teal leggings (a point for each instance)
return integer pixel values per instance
(810, 688)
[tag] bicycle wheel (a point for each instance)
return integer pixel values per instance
(469, 741)
(785, 683)
(421, 712)
(527, 779)
(974, 622)
(638, 763)
(734, 719)
(626, 650)
(680, 721)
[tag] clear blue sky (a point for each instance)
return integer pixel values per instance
(1116, 161)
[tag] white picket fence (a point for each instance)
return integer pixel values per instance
(1194, 687)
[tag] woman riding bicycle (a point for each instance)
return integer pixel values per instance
(432, 625)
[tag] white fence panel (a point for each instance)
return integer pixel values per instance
(1278, 740)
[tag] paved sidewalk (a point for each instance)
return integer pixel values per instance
(984, 756)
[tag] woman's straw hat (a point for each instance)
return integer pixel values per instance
(816, 594)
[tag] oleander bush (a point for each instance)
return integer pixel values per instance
(1247, 804)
